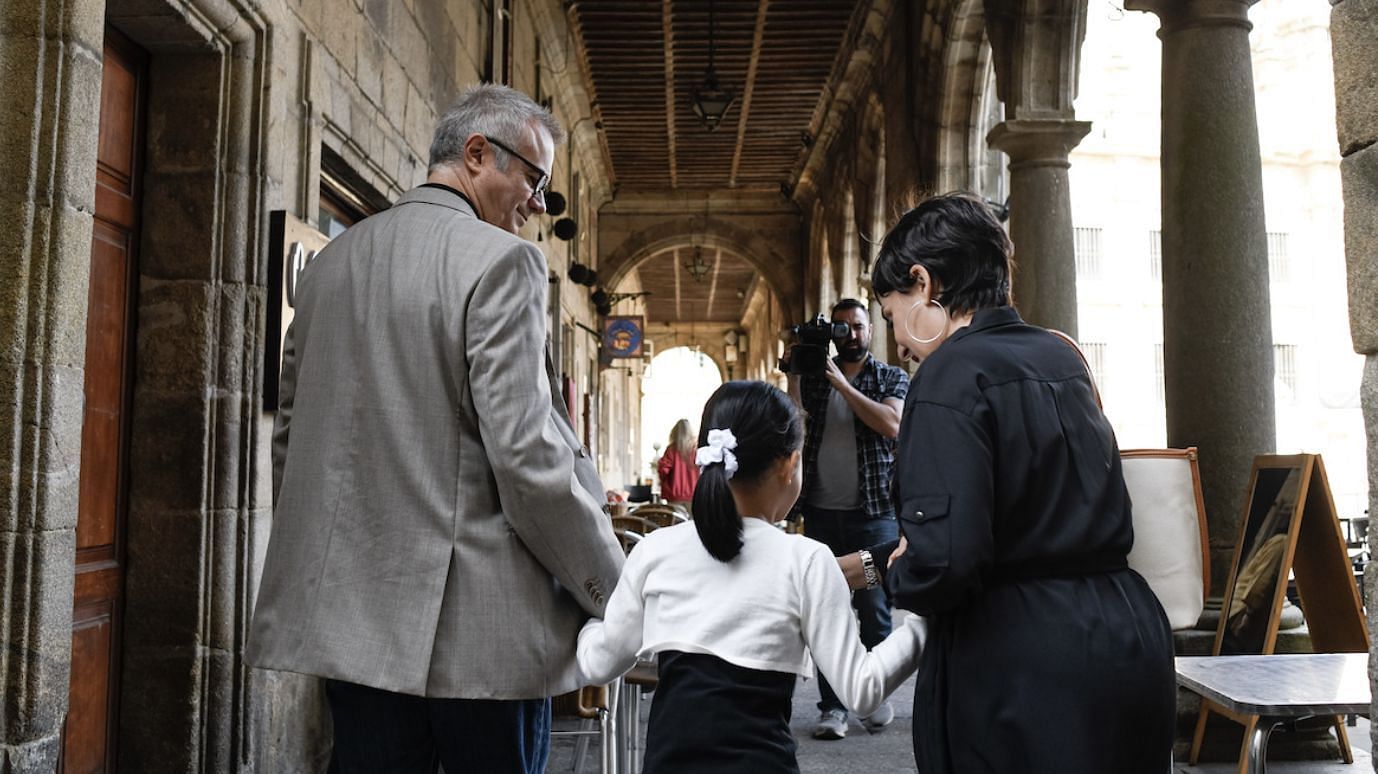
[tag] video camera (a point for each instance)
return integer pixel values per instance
(810, 355)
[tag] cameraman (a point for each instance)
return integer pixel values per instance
(851, 415)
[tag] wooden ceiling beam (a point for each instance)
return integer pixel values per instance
(642, 58)
(744, 115)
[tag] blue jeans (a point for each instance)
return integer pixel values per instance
(377, 730)
(845, 532)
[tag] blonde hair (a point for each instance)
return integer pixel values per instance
(682, 438)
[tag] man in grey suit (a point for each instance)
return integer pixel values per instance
(438, 537)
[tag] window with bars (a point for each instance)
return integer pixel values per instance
(1278, 264)
(1159, 373)
(1285, 364)
(1095, 358)
(1088, 250)
(1155, 254)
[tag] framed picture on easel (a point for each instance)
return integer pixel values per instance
(1289, 530)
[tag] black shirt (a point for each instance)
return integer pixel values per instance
(1045, 651)
(1006, 467)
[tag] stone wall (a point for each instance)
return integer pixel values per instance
(241, 99)
(1354, 36)
(50, 66)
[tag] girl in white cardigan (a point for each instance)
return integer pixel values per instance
(735, 608)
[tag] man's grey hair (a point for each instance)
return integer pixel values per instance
(489, 109)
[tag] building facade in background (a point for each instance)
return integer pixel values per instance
(1116, 212)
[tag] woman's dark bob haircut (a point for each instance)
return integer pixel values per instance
(957, 238)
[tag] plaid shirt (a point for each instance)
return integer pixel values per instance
(875, 452)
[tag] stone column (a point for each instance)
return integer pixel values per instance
(1045, 275)
(50, 76)
(882, 341)
(1217, 324)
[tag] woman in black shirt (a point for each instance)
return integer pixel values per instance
(1046, 652)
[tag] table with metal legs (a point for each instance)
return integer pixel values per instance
(1279, 688)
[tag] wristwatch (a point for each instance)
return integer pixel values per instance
(868, 569)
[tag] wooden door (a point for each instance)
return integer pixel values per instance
(89, 735)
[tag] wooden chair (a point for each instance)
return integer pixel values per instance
(630, 530)
(662, 515)
(627, 539)
(1171, 548)
(633, 522)
(591, 706)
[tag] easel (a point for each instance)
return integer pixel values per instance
(1289, 519)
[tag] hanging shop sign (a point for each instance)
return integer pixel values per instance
(622, 336)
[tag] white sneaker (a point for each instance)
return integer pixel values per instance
(832, 724)
(882, 717)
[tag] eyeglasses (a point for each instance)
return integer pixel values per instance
(538, 188)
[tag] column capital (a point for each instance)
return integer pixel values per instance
(1182, 14)
(1038, 141)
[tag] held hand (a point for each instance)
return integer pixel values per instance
(898, 552)
(834, 375)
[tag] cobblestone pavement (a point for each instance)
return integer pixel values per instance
(890, 751)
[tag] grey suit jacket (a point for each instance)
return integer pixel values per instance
(439, 530)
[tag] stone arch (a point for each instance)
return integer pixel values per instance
(833, 209)
(842, 244)
(752, 245)
(966, 61)
(869, 185)
(696, 342)
(818, 270)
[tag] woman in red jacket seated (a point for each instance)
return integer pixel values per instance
(678, 473)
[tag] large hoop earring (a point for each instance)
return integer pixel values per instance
(910, 313)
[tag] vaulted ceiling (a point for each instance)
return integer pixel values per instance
(718, 294)
(646, 57)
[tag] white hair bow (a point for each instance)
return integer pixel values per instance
(720, 444)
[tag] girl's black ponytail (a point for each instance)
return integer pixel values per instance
(715, 514)
(766, 427)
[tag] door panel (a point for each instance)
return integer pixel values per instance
(105, 354)
(89, 734)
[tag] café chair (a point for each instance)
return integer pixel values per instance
(1171, 548)
(597, 717)
(662, 515)
(627, 539)
(634, 522)
(1170, 536)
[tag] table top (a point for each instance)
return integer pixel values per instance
(1285, 685)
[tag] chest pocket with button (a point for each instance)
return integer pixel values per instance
(925, 524)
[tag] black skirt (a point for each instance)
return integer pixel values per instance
(712, 716)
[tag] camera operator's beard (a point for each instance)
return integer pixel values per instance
(853, 354)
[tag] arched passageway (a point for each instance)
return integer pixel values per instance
(676, 386)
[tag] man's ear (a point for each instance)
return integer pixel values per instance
(474, 145)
